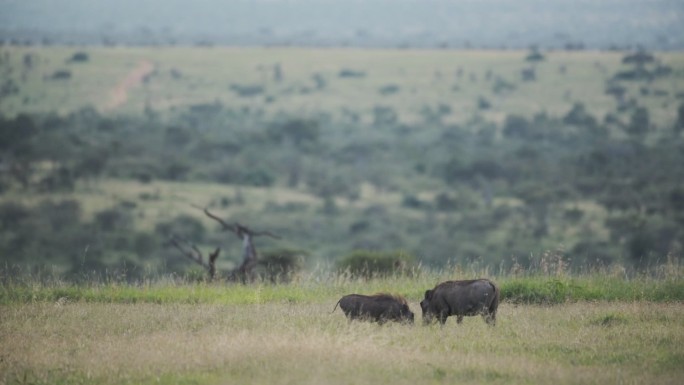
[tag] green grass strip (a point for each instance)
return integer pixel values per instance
(527, 290)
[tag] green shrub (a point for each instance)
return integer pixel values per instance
(279, 265)
(389, 89)
(79, 57)
(247, 90)
(535, 56)
(370, 264)
(550, 291)
(349, 73)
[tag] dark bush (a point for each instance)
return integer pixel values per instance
(9, 87)
(61, 214)
(298, 131)
(359, 227)
(517, 126)
(528, 74)
(370, 264)
(389, 89)
(638, 73)
(616, 90)
(483, 103)
(501, 85)
(383, 115)
(444, 202)
(279, 265)
(535, 56)
(79, 57)
(113, 219)
(206, 108)
(347, 73)
(145, 244)
(176, 170)
(413, 202)
(638, 58)
(679, 124)
(12, 213)
(183, 225)
(247, 90)
(579, 116)
(178, 136)
(640, 123)
(61, 75)
(258, 178)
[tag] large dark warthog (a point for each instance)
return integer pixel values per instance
(461, 298)
(379, 308)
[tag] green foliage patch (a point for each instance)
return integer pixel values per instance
(369, 264)
(535, 290)
(544, 290)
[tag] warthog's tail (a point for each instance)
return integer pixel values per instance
(335, 308)
(494, 305)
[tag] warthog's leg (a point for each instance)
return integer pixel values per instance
(443, 317)
(459, 319)
(490, 318)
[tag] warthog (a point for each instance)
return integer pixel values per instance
(461, 298)
(379, 308)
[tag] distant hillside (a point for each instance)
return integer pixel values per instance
(510, 160)
(560, 24)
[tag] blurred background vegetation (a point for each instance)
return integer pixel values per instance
(362, 160)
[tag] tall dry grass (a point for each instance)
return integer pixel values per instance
(534, 285)
(303, 343)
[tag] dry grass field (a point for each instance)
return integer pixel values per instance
(285, 342)
(126, 80)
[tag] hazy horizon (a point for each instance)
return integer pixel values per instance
(613, 24)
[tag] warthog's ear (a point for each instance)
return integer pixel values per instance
(428, 294)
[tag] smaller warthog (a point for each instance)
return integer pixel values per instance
(379, 308)
(461, 298)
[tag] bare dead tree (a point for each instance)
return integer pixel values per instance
(195, 255)
(250, 257)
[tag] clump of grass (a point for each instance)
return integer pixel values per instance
(554, 290)
(610, 319)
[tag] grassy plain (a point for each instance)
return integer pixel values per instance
(550, 329)
(300, 341)
(311, 81)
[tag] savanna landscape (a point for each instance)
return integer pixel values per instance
(549, 330)
(187, 204)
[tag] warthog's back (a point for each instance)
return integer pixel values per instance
(461, 298)
(375, 307)
(466, 294)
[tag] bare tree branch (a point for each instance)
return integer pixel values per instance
(212, 262)
(237, 228)
(266, 233)
(225, 225)
(250, 258)
(196, 255)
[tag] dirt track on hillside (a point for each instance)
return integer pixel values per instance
(119, 94)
